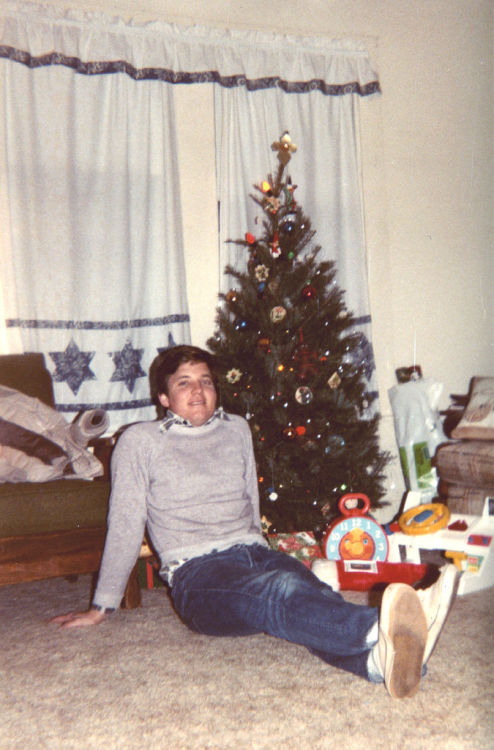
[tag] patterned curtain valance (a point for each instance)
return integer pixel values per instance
(93, 44)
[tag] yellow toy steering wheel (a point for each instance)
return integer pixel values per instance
(424, 519)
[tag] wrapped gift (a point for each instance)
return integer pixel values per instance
(300, 544)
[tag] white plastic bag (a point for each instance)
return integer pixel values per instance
(418, 430)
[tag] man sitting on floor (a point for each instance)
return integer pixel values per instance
(191, 480)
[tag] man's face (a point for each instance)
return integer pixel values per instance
(191, 393)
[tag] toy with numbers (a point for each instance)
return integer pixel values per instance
(355, 535)
(466, 540)
(360, 547)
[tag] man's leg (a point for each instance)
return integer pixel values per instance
(252, 589)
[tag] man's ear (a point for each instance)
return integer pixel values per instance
(163, 399)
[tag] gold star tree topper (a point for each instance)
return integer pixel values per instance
(285, 147)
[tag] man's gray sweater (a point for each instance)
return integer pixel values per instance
(194, 487)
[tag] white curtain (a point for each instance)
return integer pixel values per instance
(91, 251)
(325, 168)
(90, 189)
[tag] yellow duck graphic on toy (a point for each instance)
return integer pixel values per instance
(357, 544)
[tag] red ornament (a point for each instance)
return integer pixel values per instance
(250, 238)
(306, 361)
(309, 292)
(290, 201)
(275, 246)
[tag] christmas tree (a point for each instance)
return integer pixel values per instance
(292, 362)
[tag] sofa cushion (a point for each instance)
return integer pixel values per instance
(477, 422)
(465, 500)
(469, 463)
(64, 504)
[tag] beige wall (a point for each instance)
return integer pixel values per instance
(428, 166)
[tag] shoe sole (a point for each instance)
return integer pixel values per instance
(406, 638)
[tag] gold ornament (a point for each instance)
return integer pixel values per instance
(277, 314)
(233, 375)
(272, 203)
(261, 272)
(304, 395)
(265, 524)
(334, 381)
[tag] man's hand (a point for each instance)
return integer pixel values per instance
(79, 619)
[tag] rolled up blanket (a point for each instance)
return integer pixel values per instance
(89, 425)
(36, 444)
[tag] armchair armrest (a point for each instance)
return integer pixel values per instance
(102, 448)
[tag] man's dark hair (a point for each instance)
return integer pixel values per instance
(169, 360)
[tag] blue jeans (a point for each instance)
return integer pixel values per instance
(249, 589)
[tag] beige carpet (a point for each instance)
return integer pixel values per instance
(142, 680)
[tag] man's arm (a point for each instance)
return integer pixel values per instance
(126, 524)
(251, 482)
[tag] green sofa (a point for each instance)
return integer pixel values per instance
(54, 528)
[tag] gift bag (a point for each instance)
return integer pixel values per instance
(418, 430)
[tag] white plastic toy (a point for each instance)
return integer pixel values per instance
(467, 540)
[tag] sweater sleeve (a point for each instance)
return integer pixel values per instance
(126, 517)
(251, 481)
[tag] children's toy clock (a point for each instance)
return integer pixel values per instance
(358, 548)
(355, 535)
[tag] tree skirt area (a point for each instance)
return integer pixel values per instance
(142, 680)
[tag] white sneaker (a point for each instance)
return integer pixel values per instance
(437, 601)
(399, 652)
